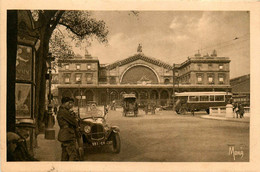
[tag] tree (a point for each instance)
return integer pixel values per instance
(79, 23)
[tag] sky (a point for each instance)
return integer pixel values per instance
(172, 36)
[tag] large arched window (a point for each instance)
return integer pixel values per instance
(139, 75)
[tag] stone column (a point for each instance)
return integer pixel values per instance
(229, 111)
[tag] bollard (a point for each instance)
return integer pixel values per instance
(229, 111)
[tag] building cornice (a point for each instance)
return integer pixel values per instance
(137, 57)
(139, 86)
(204, 60)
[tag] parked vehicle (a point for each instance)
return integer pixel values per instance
(130, 105)
(196, 101)
(95, 132)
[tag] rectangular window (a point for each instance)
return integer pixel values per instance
(78, 77)
(78, 66)
(221, 66)
(88, 66)
(89, 77)
(219, 98)
(199, 78)
(67, 78)
(204, 98)
(221, 79)
(210, 78)
(211, 98)
(210, 65)
(193, 98)
(66, 66)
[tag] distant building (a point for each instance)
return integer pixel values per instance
(150, 79)
(241, 89)
(203, 73)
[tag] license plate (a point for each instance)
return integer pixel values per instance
(98, 143)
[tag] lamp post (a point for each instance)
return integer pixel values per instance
(79, 97)
(49, 131)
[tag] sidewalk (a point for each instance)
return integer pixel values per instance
(223, 118)
(48, 150)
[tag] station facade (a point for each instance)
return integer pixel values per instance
(150, 79)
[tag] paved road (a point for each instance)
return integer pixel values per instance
(167, 137)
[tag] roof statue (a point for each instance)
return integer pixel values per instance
(198, 54)
(214, 53)
(139, 48)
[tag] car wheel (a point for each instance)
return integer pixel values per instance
(116, 143)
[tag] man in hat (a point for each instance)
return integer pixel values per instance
(67, 134)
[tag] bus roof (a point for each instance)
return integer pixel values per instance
(202, 93)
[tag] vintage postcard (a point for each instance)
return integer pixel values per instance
(129, 86)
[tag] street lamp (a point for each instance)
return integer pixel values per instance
(49, 131)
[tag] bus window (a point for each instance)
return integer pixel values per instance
(219, 98)
(204, 98)
(211, 98)
(193, 98)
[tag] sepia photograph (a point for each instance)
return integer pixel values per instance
(115, 86)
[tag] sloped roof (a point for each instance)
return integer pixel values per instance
(137, 57)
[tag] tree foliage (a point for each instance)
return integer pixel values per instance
(79, 23)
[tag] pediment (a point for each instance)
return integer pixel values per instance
(136, 57)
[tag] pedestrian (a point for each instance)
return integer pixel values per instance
(55, 110)
(241, 110)
(236, 109)
(68, 130)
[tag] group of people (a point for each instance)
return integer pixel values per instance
(238, 109)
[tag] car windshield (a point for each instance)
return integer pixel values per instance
(90, 111)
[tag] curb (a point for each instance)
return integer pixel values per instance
(223, 119)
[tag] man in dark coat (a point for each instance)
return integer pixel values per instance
(67, 134)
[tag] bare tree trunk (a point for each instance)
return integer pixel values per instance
(41, 70)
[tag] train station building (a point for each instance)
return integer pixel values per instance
(150, 79)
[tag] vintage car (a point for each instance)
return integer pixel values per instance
(96, 132)
(130, 105)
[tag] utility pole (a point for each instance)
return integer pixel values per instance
(49, 131)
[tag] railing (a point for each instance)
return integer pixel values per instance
(221, 110)
(217, 110)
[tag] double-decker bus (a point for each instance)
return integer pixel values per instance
(196, 101)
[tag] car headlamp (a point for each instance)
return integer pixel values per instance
(87, 129)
